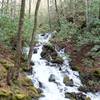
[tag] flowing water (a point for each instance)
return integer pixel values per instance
(42, 71)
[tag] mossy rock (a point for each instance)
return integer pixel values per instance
(97, 73)
(24, 81)
(67, 81)
(49, 47)
(70, 95)
(5, 92)
(33, 92)
(22, 96)
(3, 61)
(88, 98)
(75, 68)
(6, 63)
(57, 60)
(3, 72)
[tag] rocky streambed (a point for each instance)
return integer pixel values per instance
(52, 74)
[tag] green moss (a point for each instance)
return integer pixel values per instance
(97, 73)
(66, 80)
(75, 68)
(25, 81)
(87, 98)
(33, 92)
(6, 63)
(57, 60)
(5, 92)
(3, 72)
(22, 96)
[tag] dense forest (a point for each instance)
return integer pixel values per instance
(49, 49)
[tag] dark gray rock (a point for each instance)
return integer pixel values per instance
(52, 78)
(35, 50)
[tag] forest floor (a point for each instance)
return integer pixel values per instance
(21, 89)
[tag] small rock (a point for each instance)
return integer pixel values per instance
(52, 78)
(39, 90)
(43, 34)
(80, 96)
(32, 63)
(83, 89)
(35, 50)
(30, 71)
(41, 85)
(67, 81)
(70, 95)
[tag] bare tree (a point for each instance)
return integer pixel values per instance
(34, 30)
(49, 14)
(30, 1)
(19, 34)
(99, 9)
(7, 7)
(2, 7)
(58, 19)
(13, 73)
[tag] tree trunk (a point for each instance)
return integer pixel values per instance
(19, 35)
(14, 7)
(61, 5)
(34, 30)
(99, 9)
(58, 19)
(49, 14)
(7, 7)
(87, 14)
(30, 1)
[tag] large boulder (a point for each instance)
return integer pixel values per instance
(50, 54)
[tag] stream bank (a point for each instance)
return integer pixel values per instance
(85, 60)
(21, 89)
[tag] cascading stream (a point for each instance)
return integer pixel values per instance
(42, 71)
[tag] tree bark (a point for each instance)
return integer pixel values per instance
(58, 19)
(87, 2)
(34, 30)
(19, 36)
(14, 9)
(7, 7)
(99, 9)
(30, 1)
(49, 14)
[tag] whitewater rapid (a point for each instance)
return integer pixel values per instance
(42, 72)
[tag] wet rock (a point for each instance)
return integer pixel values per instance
(30, 71)
(32, 63)
(49, 53)
(80, 96)
(52, 78)
(97, 74)
(57, 60)
(41, 85)
(60, 69)
(70, 95)
(35, 50)
(40, 90)
(76, 96)
(67, 81)
(43, 34)
(83, 89)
